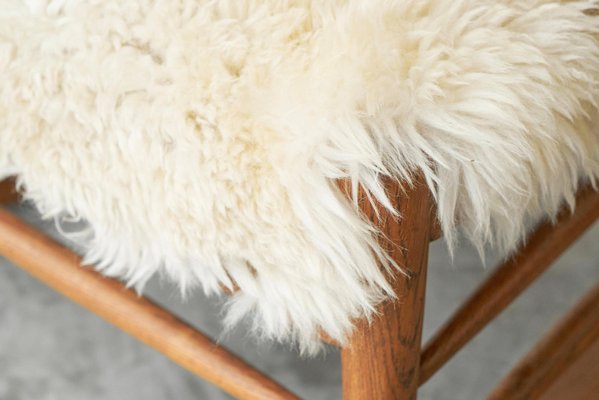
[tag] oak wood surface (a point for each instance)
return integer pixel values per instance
(8, 192)
(574, 334)
(61, 269)
(508, 281)
(580, 381)
(382, 359)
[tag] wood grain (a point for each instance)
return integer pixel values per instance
(61, 269)
(382, 359)
(8, 193)
(580, 381)
(576, 333)
(508, 281)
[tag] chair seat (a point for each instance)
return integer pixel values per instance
(228, 144)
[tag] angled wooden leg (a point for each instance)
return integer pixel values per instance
(563, 348)
(579, 380)
(8, 193)
(382, 359)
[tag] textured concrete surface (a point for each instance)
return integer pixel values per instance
(53, 349)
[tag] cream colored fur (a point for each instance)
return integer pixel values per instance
(201, 139)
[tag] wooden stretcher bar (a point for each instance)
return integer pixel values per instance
(61, 269)
(508, 281)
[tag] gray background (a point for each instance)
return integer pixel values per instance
(51, 348)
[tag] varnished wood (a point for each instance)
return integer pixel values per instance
(382, 360)
(60, 269)
(8, 193)
(576, 333)
(580, 381)
(508, 281)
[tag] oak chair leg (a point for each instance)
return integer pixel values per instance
(579, 380)
(383, 357)
(561, 348)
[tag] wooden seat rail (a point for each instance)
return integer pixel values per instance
(8, 193)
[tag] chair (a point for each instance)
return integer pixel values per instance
(384, 359)
(219, 142)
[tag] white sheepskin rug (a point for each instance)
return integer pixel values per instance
(202, 139)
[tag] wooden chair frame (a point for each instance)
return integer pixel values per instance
(384, 358)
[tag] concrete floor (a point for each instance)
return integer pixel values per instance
(52, 349)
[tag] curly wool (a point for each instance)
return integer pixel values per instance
(202, 139)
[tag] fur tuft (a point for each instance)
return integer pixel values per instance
(201, 139)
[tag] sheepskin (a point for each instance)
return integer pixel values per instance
(202, 139)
